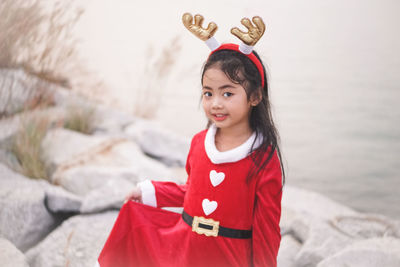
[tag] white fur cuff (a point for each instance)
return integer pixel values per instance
(148, 193)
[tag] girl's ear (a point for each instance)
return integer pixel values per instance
(255, 98)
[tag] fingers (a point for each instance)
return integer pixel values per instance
(246, 22)
(254, 31)
(259, 24)
(198, 20)
(127, 198)
(196, 26)
(237, 32)
(132, 198)
(212, 28)
(187, 19)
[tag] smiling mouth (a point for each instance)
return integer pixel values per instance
(219, 117)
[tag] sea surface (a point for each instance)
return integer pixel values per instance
(334, 69)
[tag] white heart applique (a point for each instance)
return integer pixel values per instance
(216, 177)
(209, 206)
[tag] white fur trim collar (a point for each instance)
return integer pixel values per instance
(232, 155)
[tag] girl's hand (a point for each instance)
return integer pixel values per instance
(134, 195)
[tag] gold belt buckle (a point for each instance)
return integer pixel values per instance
(204, 231)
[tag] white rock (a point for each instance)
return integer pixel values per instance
(300, 227)
(60, 200)
(24, 219)
(128, 154)
(76, 243)
(110, 196)
(365, 226)
(160, 143)
(81, 180)
(112, 122)
(287, 251)
(308, 203)
(10, 256)
(121, 160)
(325, 238)
(301, 208)
(325, 227)
(60, 146)
(374, 252)
(323, 241)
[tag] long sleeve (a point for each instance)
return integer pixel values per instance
(267, 213)
(169, 194)
(165, 194)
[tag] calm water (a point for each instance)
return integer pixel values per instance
(335, 79)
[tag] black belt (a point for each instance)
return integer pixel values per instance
(209, 227)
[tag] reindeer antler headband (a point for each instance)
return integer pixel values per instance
(249, 39)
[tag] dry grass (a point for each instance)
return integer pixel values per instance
(27, 146)
(149, 94)
(80, 119)
(37, 35)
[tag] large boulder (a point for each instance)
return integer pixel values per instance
(109, 196)
(328, 237)
(10, 256)
(113, 122)
(83, 179)
(373, 252)
(366, 225)
(24, 218)
(76, 243)
(89, 162)
(59, 200)
(323, 241)
(62, 146)
(287, 251)
(301, 208)
(159, 143)
(311, 204)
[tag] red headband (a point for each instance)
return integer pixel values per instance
(251, 56)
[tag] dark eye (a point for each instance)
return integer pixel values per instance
(208, 94)
(227, 94)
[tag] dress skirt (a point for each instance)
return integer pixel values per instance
(144, 236)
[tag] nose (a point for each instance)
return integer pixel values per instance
(216, 102)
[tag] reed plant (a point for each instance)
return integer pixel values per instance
(80, 119)
(26, 146)
(38, 37)
(148, 94)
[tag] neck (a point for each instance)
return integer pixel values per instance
(226, 139)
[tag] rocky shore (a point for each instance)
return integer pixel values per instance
(65, 219)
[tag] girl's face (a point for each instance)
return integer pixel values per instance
(225, 103)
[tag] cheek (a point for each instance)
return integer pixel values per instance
(204, 104)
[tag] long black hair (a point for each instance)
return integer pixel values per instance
(241, 70)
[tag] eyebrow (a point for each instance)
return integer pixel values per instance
(220, 88)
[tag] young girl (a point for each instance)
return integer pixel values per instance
(232, 198)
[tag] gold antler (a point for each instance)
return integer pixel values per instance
(196, 28)
(255, 32)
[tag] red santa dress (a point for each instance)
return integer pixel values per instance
(216, 192)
